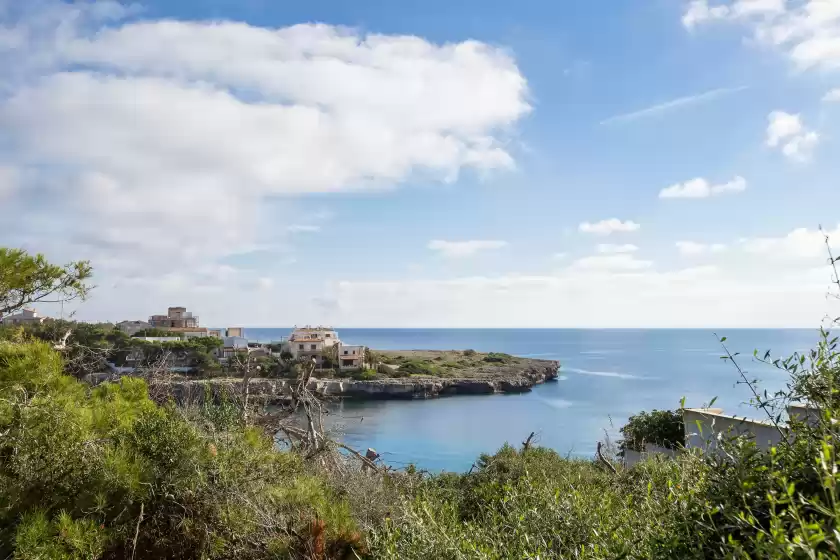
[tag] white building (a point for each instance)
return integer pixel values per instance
(25, 317)
(703, 427)
(351, 356)
(230, 346)
(317, 342)
(311, 342)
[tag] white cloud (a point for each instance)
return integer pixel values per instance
(807, 31)
(559, 256)
(692, 248)
(457, 249)
(608, 226)
(786, 130)
(616, 262)
(699, 11)
(594, 295)
(832, 96)
(701, 188)
(123, 130)
(799, 244)
(613, 249)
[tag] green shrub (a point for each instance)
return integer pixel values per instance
(416, 367)
(660, 427)
(364, 375)
(79, 468)
(497, 357)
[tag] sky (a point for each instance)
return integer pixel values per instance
(589, 163)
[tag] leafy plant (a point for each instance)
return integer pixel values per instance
(660, 427)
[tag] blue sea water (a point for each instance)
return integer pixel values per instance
(605, 376)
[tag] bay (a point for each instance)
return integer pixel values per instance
(606, 375)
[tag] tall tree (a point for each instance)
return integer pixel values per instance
(27, 279)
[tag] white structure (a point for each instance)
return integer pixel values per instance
(132, 327)
(230, 346)
(306, 342)
(316, 342)
(703, 427)
(351, 356)
(25, 317)
(159, 338)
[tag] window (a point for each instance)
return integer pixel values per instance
(328, 336)
(313, 346)
(300, 346)
(345, 352)
(354, 352)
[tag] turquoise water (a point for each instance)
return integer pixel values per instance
(605, 376)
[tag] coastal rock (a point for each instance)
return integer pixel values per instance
(278, 390)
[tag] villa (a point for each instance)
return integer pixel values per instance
(322, 343)
(25, 317)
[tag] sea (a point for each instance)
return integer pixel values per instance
(606, 375)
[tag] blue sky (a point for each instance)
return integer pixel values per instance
(428, 164)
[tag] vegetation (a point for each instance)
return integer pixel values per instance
(26, 279)
(365, 375)
(108, 472)
(660, 427)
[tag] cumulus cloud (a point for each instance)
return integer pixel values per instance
(832, 96)
(608, 226)
(807, 31)
(128, 129)
(701, 188)
(787, 132)
(799, 244)
(692, 248)
(457, 249)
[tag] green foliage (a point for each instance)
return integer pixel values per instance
(659, 427)
(27, 279)
(416, 367)
(497, 357)
(535, 503)
(154, 332)
(364, 375)
(80, 467)
(469, 353)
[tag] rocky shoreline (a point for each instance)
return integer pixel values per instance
(275, 391)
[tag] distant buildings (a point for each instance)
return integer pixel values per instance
(25, 317)
(175, 318)
(351, 356)
(323, 344)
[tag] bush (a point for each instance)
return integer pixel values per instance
(660, 427)
(469, 352)
(497, 357)
(364, 375)
(79, 468)
(535, 503)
